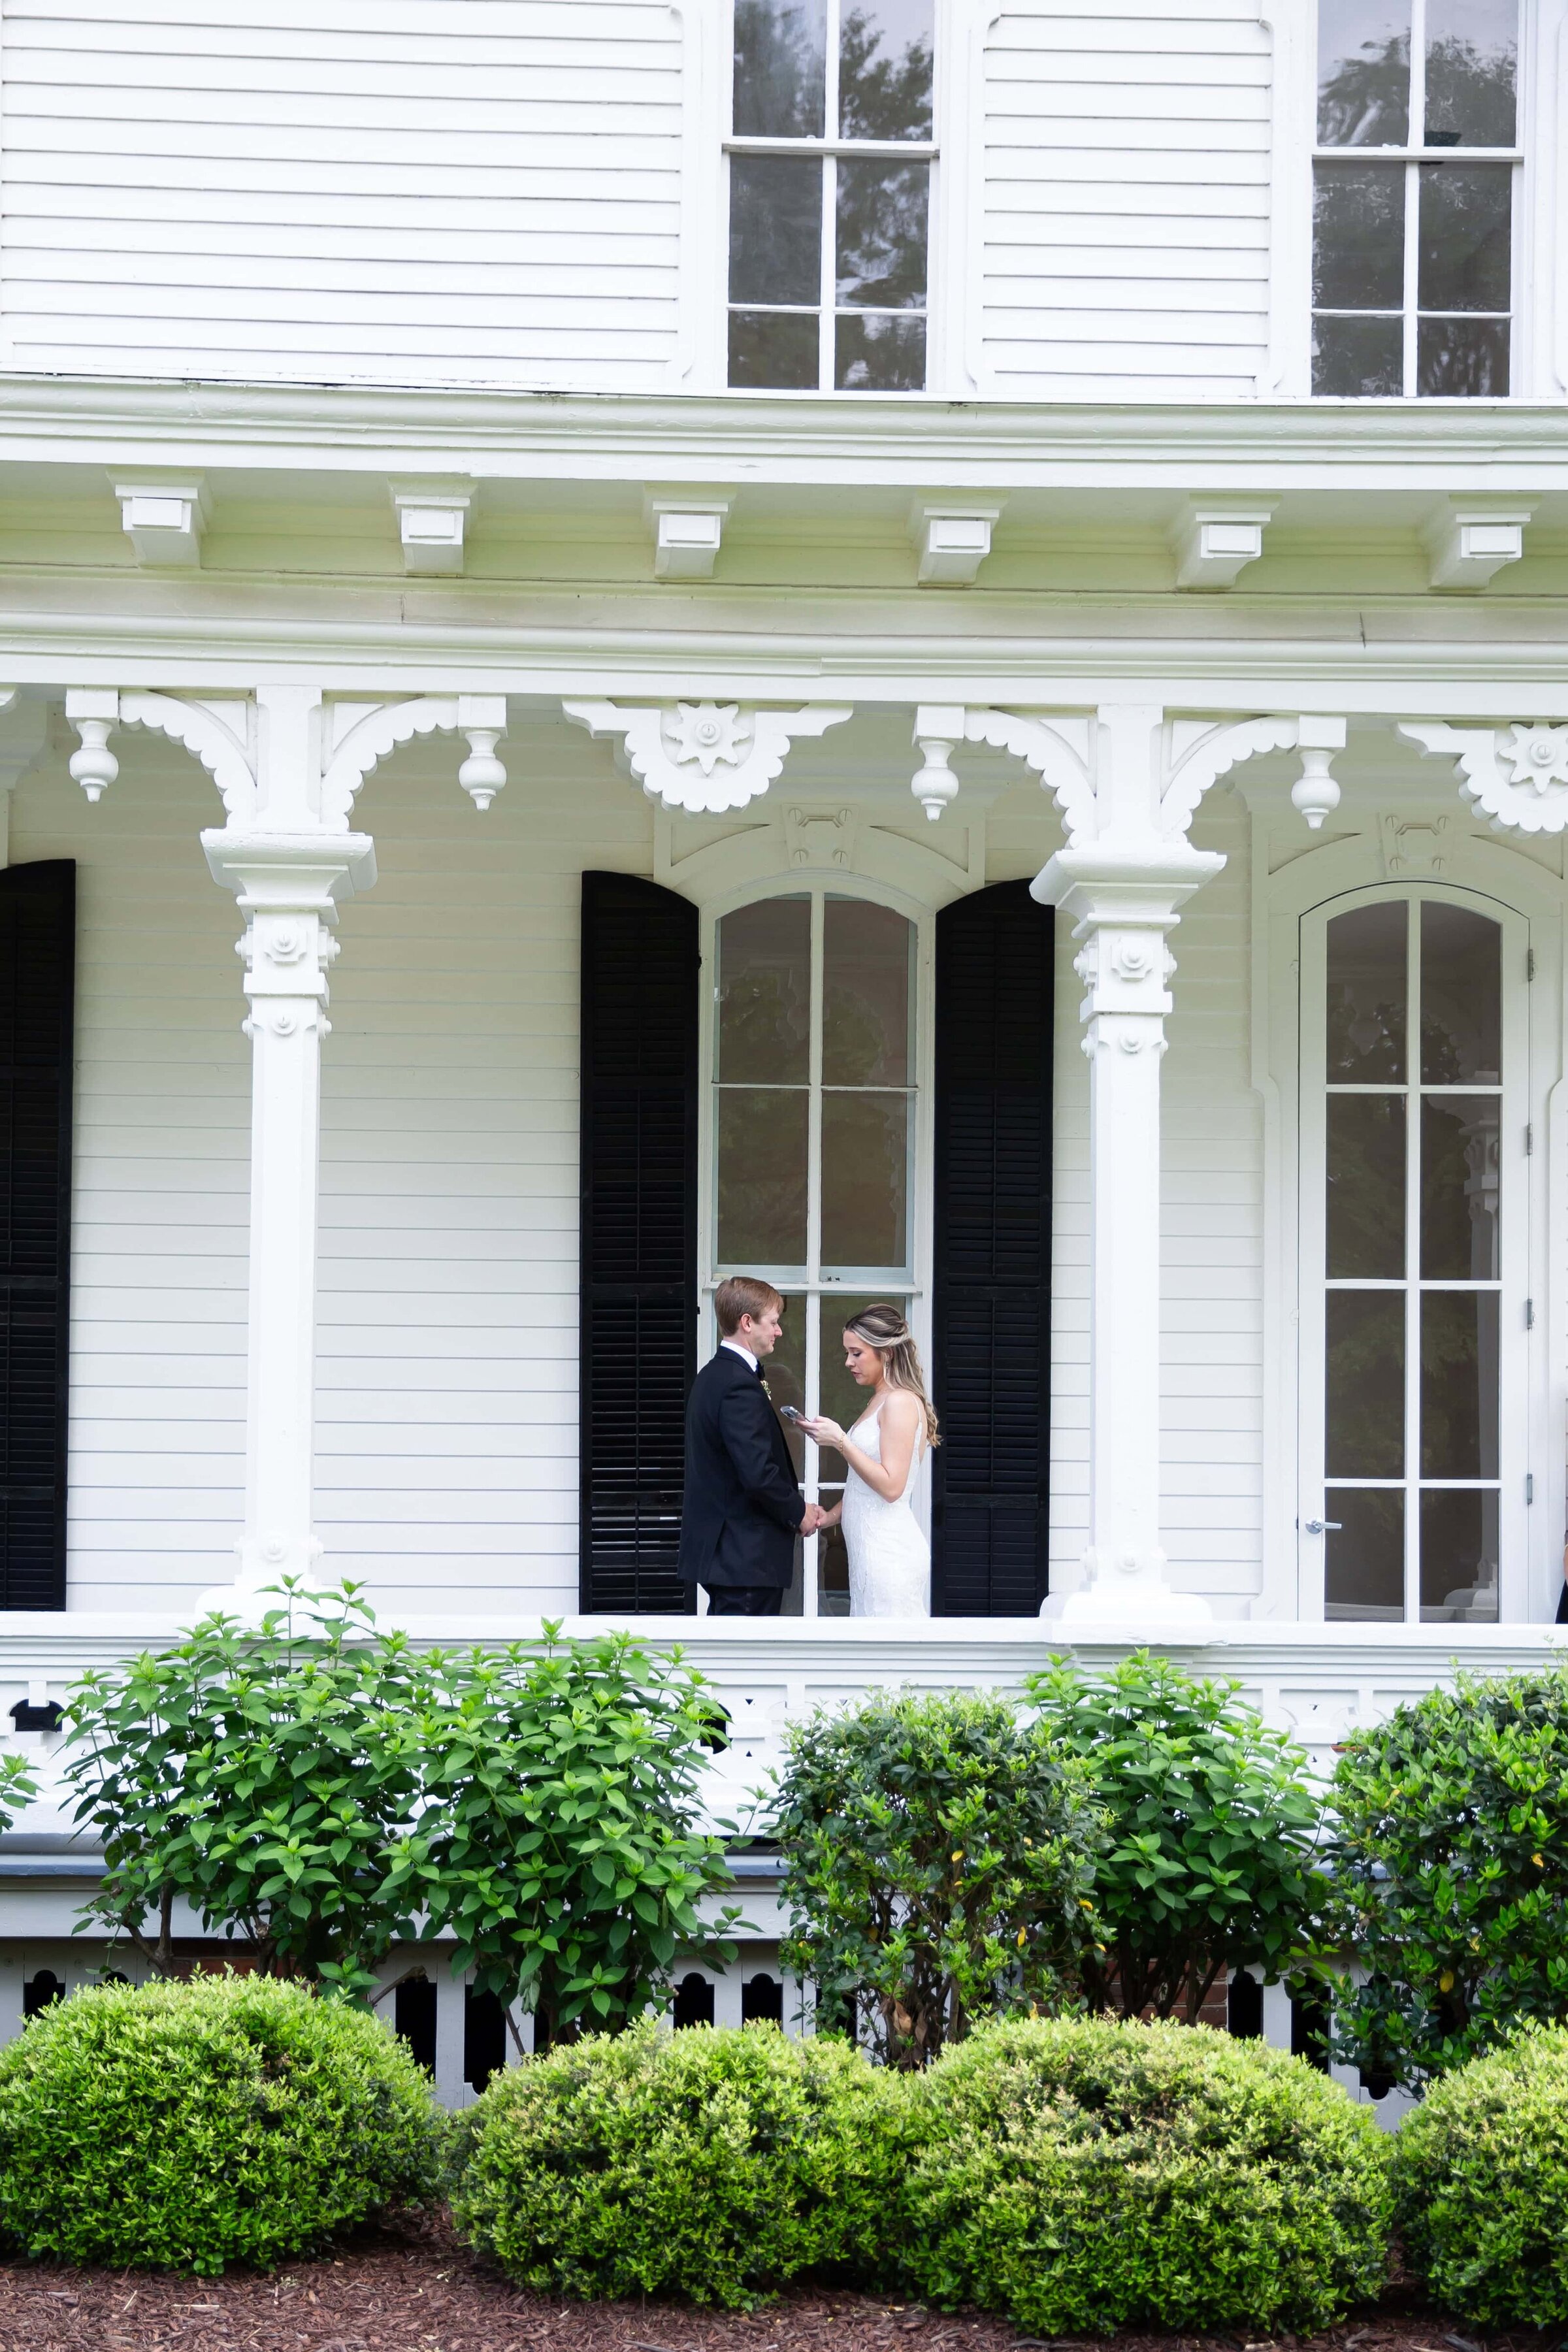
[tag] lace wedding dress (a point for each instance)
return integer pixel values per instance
(889, 1558)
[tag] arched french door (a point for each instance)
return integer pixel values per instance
(814, 1133)
(1414, 1050)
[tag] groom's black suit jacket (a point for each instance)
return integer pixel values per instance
(742, 1502)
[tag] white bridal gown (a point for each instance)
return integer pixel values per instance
(889, 1558)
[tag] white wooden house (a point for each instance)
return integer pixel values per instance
(674, 535)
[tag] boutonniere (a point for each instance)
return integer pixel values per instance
(766, 1391)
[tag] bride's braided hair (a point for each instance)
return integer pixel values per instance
(883, 1327)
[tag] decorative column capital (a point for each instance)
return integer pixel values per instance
(289, 890)
(703, 757)
(1515, 775)
(1123, 899)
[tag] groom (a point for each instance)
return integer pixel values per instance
(744, 1508)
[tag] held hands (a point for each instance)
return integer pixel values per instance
(815, 1517)
(822, 1431)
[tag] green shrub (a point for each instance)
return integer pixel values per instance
(1086, 2174)
(190, 2125)
(713, 2164)
(1212, 1823)
(1481, 2179)
(1451, 1864)
(937, 1867)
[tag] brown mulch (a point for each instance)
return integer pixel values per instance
(413, 2288)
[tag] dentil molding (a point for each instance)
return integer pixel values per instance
(1516, 776)
(703, 757)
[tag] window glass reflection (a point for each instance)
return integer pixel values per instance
(1365, 1384)
(1364, 1557)
(1459, 1187)
(867, 953)
(1463, 359)
(762, 1194)
(1464, 259)
(1358, 248)
(1472, 49)
(1363, 73)
(879, 352)
(882, 234)
(1358, 359)
(1368, 987)
(785, 1373)
(764, 993)
(1461, 996)
(1365, 1204)
(774, 351)
(1458, 1557)
(864, 1180)
(1458, 1383)
(775, 228)
(781, 61)
(885, 70)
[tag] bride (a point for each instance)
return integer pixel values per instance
(889, 1558)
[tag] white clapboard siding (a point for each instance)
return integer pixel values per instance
(1125, 214)
(443, 191)
(1211, 1250)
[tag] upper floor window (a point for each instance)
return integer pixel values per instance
(1416, 160)
(830, 194)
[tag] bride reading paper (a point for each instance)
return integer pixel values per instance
(889, 1558)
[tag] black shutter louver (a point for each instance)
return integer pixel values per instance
(38, 973)
(639, 1263)
(992, 1311)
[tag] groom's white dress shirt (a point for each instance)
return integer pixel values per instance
(745, 1354)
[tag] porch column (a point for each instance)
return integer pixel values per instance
(1123, 899)
(288, 887)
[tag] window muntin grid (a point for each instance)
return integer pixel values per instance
(830, 159)
(1416, 163)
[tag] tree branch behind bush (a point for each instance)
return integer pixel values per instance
(937, 1869)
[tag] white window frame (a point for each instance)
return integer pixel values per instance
(1317, 1497)
(812, 1285)
(1539, 364)
(1290, 876)
(940, 275)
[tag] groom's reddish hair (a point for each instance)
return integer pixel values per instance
(743, 1294)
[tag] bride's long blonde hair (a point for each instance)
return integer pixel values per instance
(883, 1327)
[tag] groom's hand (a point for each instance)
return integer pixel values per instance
(815, 1516)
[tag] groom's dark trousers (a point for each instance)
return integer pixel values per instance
(742, 1506)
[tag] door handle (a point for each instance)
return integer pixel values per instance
(1323, 1526)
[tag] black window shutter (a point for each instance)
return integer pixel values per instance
(638, 1268)
(38, 975)
(992, 1318)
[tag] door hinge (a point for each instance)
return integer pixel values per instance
(1528, 1142)
(1530, 963)
(1530, 1313)
(1530, 1486)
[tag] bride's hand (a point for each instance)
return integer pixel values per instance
(822, 1431)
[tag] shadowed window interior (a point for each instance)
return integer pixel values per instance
(1417, 157)
(814, 1129)
(1414, 1066)
(830, 159)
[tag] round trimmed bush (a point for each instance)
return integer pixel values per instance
(1082, 2174)
(715, 2164)
(190, 2125)
(1480, 2181)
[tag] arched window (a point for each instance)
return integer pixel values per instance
(813, 1146)
(1414, 1313)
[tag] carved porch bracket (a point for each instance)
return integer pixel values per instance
(283, 759)
(703, 757)
(1058, 748)
(1201, 751)
(1515, 776)
(359, 735)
